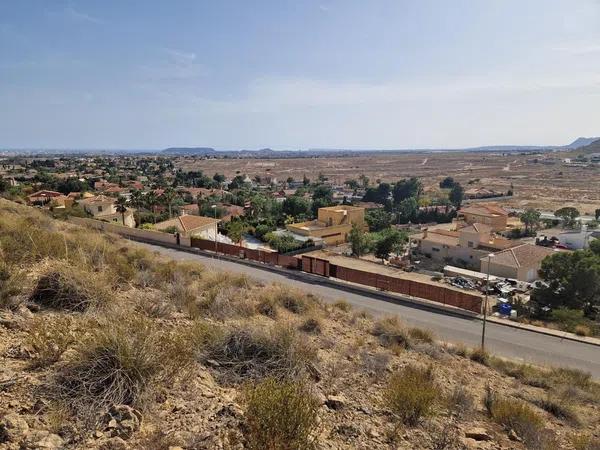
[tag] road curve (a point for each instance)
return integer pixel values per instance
(514, 343)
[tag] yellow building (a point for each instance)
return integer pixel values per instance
(332, 225)
(487, 214)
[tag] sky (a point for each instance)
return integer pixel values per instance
(382, 74)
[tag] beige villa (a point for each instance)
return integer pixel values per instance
(332, 225)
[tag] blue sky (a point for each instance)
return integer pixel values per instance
(298, 74)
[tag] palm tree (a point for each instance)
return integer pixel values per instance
(151, 201)
(169, 197)
(137, 201)
(121, 205)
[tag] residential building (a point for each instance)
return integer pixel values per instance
(40, 198)
(191, 226)
(332, 225)
(465, 246)
(578, 239)
(104, 208)
(487, 214)
(522, 262)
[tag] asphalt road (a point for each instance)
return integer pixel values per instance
(523, 345)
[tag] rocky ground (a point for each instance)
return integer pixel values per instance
(175, 316)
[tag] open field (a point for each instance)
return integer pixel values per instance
(540, 181)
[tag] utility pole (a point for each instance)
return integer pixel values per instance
(214, 207)
(485, 305)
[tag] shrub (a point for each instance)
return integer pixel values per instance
(267, 306)
(293, 300)
(480, 356)
(376, 363)
(343, 305)
(10, 285)
(559, 407)
(65, 287)
(311, 325)
(119, 359)
(585, 442)
(422, 335)
(51, 338)
(251, 352)
(460, 401)
(516, 415)
(280, 414)
(391, 332)
(582, 330)
(411, 394)
(225, 302)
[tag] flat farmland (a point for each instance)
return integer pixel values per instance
(541, 181)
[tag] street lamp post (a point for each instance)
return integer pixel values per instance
(485, 305)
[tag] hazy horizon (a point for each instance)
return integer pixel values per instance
(326, 74)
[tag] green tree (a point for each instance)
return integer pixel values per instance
(360, 242)
(568, 214)
(151, 201)
(236, 230)
(447, 183)
(572, 280)
(389, 241)
(531, 219)
(456, 195)
(364, 180)
(352, 184)
(404, 189)
(407, 210)
(121, 207)
(378, 219)
(297, 207)
(219, 177)
(168, 198)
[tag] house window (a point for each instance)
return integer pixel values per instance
(470, 244)
(99, 208)
(435, 249)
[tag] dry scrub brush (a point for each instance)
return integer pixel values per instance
(69, 288)
(252, 352)
(119, 360)
(391, 332)
(280, 414)
(518, 416)
(412, 394)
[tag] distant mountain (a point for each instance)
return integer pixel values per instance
(581, 142)
(189, 151)
(594, 147)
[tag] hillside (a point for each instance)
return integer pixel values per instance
(106, 346)
(594, 147)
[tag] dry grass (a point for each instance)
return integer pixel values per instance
(460, 402)
(343, 305)
(391, 332)
(291, 299)
(253, 352)
(280, 415)
(311, 325)
(69, 288)
(421, 335)
(51, 338)
(516, 415)
(411, 394)
(560, 407)
(10, 284)
(585, 441)
(119, 360)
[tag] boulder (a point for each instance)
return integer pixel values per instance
(121, 421)
(478, 434)
(335, 402)
(13, 428)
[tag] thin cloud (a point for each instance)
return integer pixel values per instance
(71, 14)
